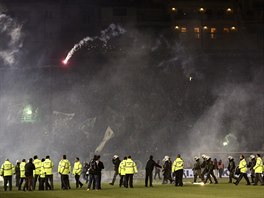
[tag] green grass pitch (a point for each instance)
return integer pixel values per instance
(221, 190)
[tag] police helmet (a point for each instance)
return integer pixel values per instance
(252, 156)
(230, 157)
(115, 156)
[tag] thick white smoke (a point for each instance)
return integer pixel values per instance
(110, 32)
(11, 34)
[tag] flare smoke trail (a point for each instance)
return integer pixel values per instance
(110, 32)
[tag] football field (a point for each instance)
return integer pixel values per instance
(221, 190)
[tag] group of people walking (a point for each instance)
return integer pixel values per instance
(36, 170)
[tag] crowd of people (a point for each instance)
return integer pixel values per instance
(35, 170)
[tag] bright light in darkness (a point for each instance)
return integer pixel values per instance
(65, 62)
(225, 143)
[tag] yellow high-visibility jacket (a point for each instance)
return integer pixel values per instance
(121, 168)
(259, 165)
(48, 166)
(22, 170)
(37, 163)
(42, 171)
(64, 167)
(77, 168)
(177, 164)
(243, 166)
(130, 167)
(7, 169)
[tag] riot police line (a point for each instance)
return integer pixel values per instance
(35, 171)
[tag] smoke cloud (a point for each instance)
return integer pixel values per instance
(155, 94)
(11, 39)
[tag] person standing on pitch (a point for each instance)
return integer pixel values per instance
(29, 169)
(77, 170)
(48, 167)
(243, 170)
(130, 170)
(22, 173)
(7, 170)
(177, 168)
(116, 161)
(157, 171)
(258, 168)
(122, 172)
(37, 162)
(149, 171)
(64, 170)
(17, 172)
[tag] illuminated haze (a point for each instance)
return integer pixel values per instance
(139, 85)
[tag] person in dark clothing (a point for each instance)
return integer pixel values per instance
(100, 166)
(17, 172)
(29, 168)
(210, 168)
(251, 165)
(166, 169)
(197, 170)
(205, 170)
(157, 171)
(116, 161)
(93, 174)
(149, 171)
(85, 172)
(231, 168)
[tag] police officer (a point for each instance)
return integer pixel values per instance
(243, 170)
(205, 170)
(22, 174)
(37, 163)
(130, 170)
(7, 170)
(149, 171)
(210, 169)
(177, 168)
(77, 170)
(116, 161)
(258, 168)
(121, 171)
(64, 170)
(42, 176)
(166, 169)
(197, 170)
(48, 168)
(231, 168)
(251, 165)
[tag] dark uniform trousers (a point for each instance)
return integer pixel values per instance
(8, 179)
(129, 178)
(149, 175)
(178, 177)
